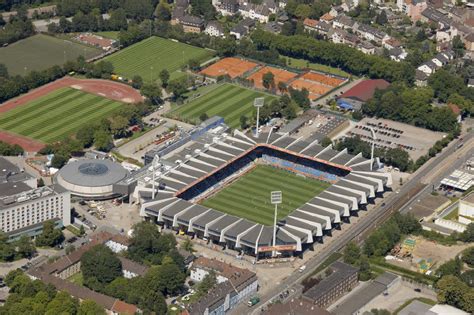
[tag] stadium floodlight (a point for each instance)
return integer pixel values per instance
(374, 137)
(276, 199)
(154, 164)
(258, 102)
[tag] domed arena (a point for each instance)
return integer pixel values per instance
(91, 179)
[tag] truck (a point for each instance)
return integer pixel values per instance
(253, 301)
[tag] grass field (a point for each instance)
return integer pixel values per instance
(249, 196)
(148, 57)
(227, 100)
(40, 52)
(301, 63)
(58, 114)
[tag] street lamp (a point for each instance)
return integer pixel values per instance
(275, 199)
(372, 131)
(154, 164)
(258, 102)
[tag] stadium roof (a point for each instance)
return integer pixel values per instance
(459, 180)
(365, 90)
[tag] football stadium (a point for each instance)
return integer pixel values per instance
(216, 186)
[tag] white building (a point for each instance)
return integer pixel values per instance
(24, 210)
(214, 29)
(466, 209)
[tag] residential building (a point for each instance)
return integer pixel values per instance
(192, 24)
(355, 97)
(282, 4)
(433, 15)
(366, 47)
(258, 12)
(343, 21)
(391, 43)
(372, 34)
(228, 7)
(177, 14)
(310, 24)
(342, 279)
(397, 54)
(470, 83)
(272, 27)
(469, 42)
(23, 210)
(233, 286)
(412, 8)
(295, 307)
(214, 29)
(428, 67)
(328, 18)
(421, 78)
(242, 29)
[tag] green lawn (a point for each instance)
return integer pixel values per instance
(111, 34)
(249, 196)
(301, 63)
(227, 100)
(76, 278)
(57, 114)
(148, 57)
(40, 52)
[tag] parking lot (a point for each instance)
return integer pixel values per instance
(391, 134)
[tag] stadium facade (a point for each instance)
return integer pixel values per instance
(209, 162)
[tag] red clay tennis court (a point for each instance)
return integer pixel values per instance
(233, 67)
(315, 89)
(279, 74)
(324, 79)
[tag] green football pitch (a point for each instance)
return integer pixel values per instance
(40, 52)
(228, 101)
(57, 114)
(249, 196)
(150, 56)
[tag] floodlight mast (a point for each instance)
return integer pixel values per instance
(154, 163)
(372, 131)
(258, 102)
(275, 198)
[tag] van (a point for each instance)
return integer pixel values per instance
(302, 268)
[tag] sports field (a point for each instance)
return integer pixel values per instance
(57, 114)
(40, 52)
(148, 57)
(249, 196)
(228, 101)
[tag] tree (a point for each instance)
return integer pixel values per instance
(137, 81)
(187, 245)
(458, 46)
(82, 230)
(243, 122)
(166, 278)
(3, 71)
(118, 126)
(50, 235)
(364, 269)
(326, 142)
(203, 117)
(268, 80)
(468, 256)
(452, 291)
(62, 303)
(468, 277)
(152, 91)
(69, 249)
(382, 18)
(164, 77)
(101, 264)
(178, 87)
(102, 140)
(351, 253)
(25, 247)
(451, 267)
(206, 285)
(163, 11)
(40, 182)
(59, 160)
(85, 136)
(90, 307)
(468, 235)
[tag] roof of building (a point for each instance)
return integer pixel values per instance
(192, 20)
(341, 272)
(443, 309)
(470, 37)
(420, 75)
(10, 172)
(416, 308)
(132, 266)
(92, 173)
(273, 27)
(13, 194)
(365, 90)
(310, 22)
(216, 25)
(327, 17)
(295, 307)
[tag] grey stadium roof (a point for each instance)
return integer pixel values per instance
(93, 173)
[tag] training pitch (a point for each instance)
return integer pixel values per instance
(150, 56)
(249, 196)
(57, 114)
(228, 101)
(40, 52)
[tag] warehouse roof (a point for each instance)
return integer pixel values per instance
(365, 90)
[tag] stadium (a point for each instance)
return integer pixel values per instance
(218, 188)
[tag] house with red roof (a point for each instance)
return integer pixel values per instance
(355, 97)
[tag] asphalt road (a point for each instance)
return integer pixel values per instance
(406, 194)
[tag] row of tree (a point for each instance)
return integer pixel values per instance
(16, 29)
(7, 149)
(10, 251)
(34, 297)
